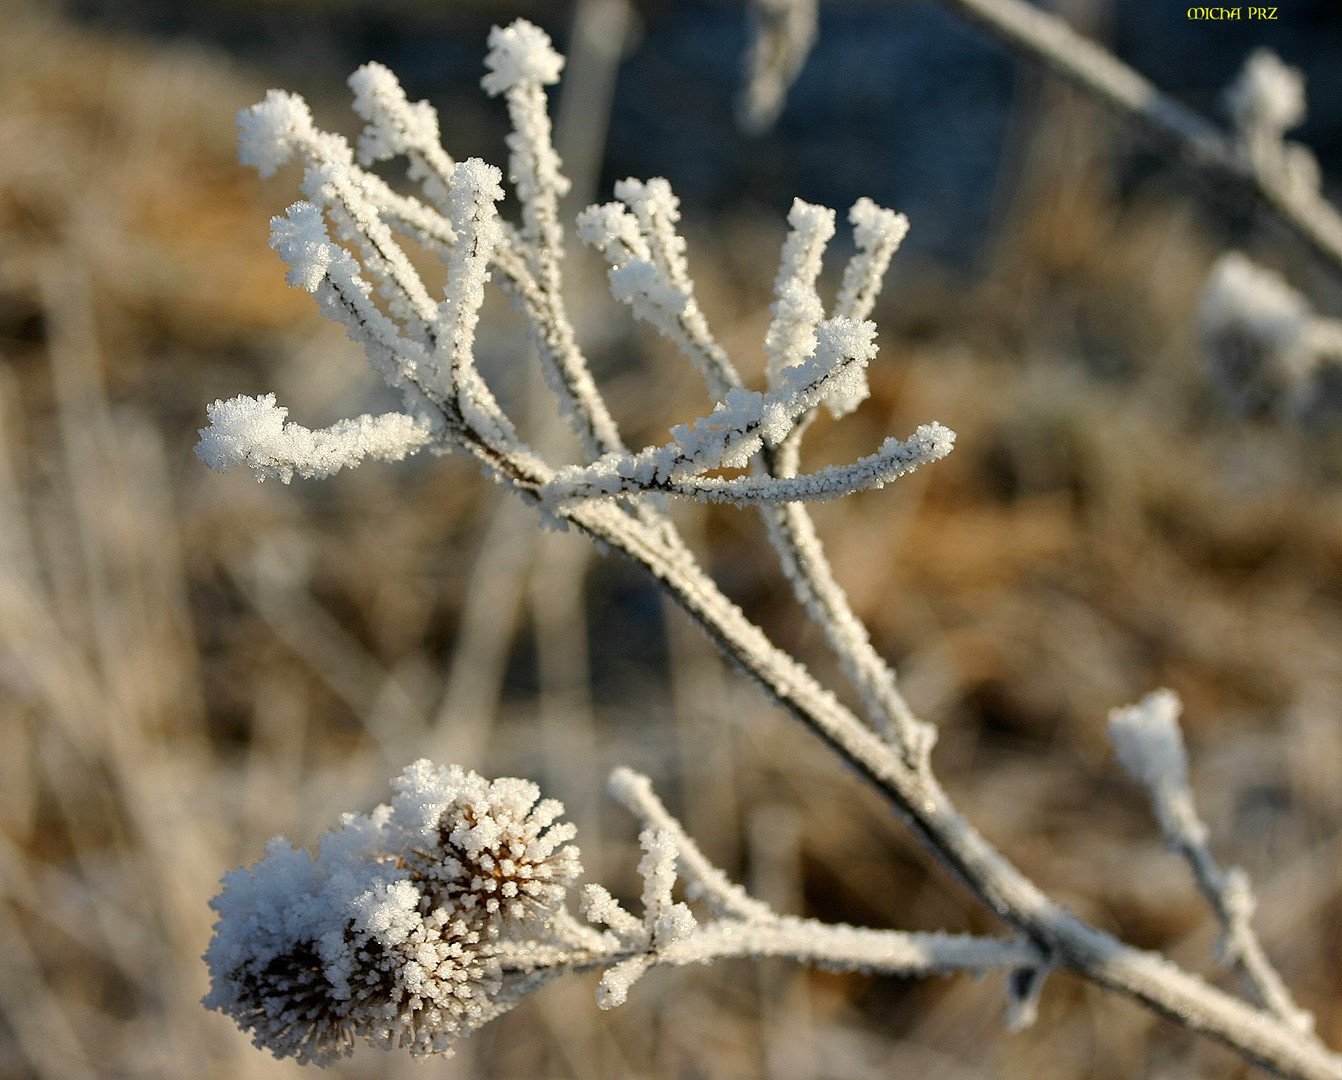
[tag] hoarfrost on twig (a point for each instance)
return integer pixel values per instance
(252, 432)
(1150, 747)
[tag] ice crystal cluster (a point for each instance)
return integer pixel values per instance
(397, 929)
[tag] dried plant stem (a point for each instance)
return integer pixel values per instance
(1068, 941)
(1048, 40)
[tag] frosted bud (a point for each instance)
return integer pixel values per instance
(270, 132)
(1148, 741)
(396, 932)
(519, 55)
(1268, 94)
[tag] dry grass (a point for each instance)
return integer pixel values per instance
(190, 664)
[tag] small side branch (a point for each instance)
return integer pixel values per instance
(1150, 748)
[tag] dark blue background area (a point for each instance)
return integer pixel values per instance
(900, 101)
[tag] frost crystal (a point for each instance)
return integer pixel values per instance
(395, 126)
(270, 132)
(797, 309)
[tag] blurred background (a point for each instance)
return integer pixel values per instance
(192, 663)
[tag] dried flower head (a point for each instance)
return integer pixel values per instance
(492, 849)
(392, 933)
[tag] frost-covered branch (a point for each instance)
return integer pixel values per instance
(648, 271)
(665, 469)
(425, 919)
(253, 433)
(1150, 747)
(1251, 160)
(419, 922)
(521, 64)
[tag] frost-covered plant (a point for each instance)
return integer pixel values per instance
(1265, 348)
(417, 923)
(403, 929)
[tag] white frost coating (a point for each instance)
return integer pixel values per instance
(473, 194)
(600, 908)
(633, 791)
(851, 948)
(301, 240)
(520, 55)
(895, 458)
(410, 927)
(252, 432)
(521, 63)
(614, 232)
(1264, 347)
(272, 132)
(745, 421)
(613, 988)
(395, 124)
(1150, 748)
(797, 309)
(648, 271)
(653, 299)
(1148, 741)
(1267, 95)
(877, 232)
(666, 921)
